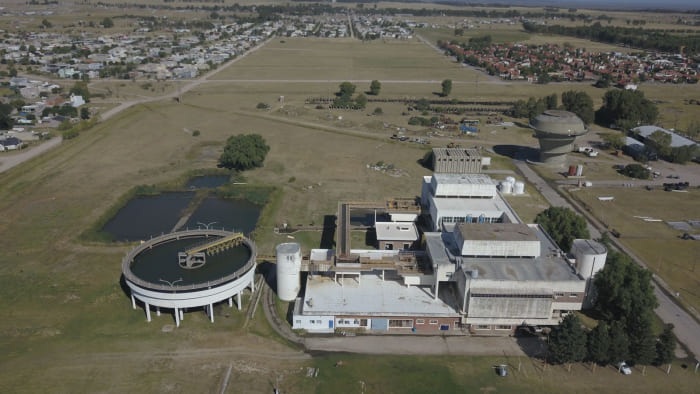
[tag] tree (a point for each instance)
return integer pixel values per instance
(6, 121)
(361, 100)
(614, 140)
(446, 87)
(683, 154)
(374, 87)
(665, 346)
(347, 89)
(551, 101)
(18, 104)
(660, 142)
(84, 113)
(563, 225)
(641, 337)
(81, 89)
(243, 152)
(579, 103)
(567, 342)
(623, 289)
(635, 171)
(628, 107)
(46, 24)
(107, 22)
(619, 344)
(598, 344)
(378, 111)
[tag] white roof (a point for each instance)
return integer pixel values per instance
(396, 231)
(372, 296)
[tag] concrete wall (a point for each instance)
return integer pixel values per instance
(509, 307)
(429, 324)
(396, 245)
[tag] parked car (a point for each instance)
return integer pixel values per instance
(624, 368)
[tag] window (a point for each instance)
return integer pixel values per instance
(363, 322)
(433, 322)
(559, 294)
(312, 321)
(389, 246)
(501, 327)
(573, 295)
(406, 246)
(400, 323)
(420, 321)
(483, 327)
(457, 324)
(298, 322)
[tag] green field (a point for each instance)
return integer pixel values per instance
(660, 246)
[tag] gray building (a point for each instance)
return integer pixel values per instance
(456, 161)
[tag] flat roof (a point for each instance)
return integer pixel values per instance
(372, 296)
(463, 179)
(288, 247)
(676, 140)
(496, 232)
(456, 153)
(551, 265)
(472, 206)
(396, 231)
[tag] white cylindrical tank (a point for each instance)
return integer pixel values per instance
(590, 256)
(510, 180)
(579, 170)
(288, 271)
(519, 188)
(506, 187)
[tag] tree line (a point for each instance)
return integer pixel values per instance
(655, 39)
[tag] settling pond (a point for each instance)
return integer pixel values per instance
(146, 216)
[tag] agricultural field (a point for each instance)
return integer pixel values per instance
(666, 254)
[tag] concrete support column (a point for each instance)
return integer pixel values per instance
(238, 300)
(230, 302)
(252, 285)
(437, 287)
(182, 315)
(158, 310)
(382, 275)
(211, 312)
(177, 317)
(148, 311)
(133, 301)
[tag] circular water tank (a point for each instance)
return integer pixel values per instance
(506, 187)
(519, 188)
(510, 180)
(288, 271)
(590, 256)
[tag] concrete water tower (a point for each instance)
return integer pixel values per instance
(557, 131)
(288, 271)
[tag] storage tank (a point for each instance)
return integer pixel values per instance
(510, 180)
(288, 271)
(572, 170)
(579, 170)
(506, 187)
(519, 188)
(590, 256)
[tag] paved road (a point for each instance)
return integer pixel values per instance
(686, 328)
(8, 161)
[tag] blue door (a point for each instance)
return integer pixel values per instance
(380, 324)
(330, 323)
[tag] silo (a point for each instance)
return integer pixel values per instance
(510, 180)
(519, 188)
(506, 187)
(590, 256)
(579, 170)
(288, 271)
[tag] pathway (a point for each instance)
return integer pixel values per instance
(8, 161)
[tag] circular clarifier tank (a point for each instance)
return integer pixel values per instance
(190, 269)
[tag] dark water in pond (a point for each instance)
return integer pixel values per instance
(146, 216)
(207, 181)
(238, 215)
(161, 264)
(365, 217)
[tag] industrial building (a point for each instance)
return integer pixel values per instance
(458, 161)
(557, 130)
(479, 269)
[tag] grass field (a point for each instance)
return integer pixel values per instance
(656, 243)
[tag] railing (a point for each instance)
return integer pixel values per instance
(129, 258)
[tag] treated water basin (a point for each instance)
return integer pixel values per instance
(207, 181)
(146, 216)
(233, 215)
